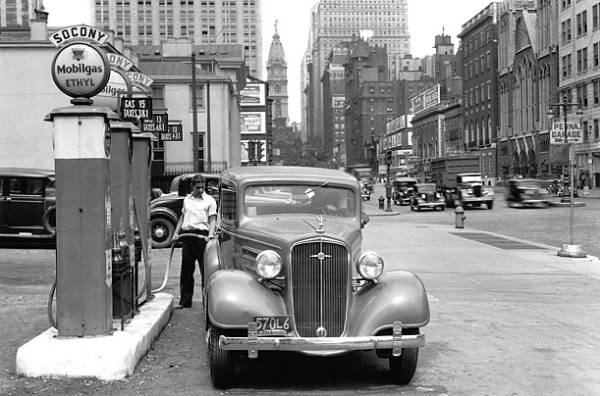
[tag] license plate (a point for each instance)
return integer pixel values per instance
(273, 325)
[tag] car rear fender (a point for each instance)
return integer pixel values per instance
(397, 296)
(235, 298)
(164, 212)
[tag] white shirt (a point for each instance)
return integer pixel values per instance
(196, 212)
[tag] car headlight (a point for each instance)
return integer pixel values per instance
(370, 265)
(268, 264)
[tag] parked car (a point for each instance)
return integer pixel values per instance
(527, 193)
(426, 195)
(402, 190)
(165, 210)
(287, 273)
(27, 204)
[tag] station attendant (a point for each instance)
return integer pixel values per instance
(198, 216)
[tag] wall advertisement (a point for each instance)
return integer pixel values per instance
(253, 122)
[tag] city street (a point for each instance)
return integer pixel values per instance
(548, 226)
(503, 321)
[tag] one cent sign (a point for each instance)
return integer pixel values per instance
(80, 70)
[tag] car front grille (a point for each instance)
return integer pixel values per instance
(320, 287)
(477, 190)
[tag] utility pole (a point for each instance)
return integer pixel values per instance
(194, 117)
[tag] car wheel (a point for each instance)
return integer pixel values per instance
(442, 208)
(219, 360)
(402, 368)
(490, 204)
(162, 230)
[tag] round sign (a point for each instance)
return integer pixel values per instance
(118, 85)
(80, 70)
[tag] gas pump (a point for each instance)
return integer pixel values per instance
(142, 159)
(81, 136)
(123, 224)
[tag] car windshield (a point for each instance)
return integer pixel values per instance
(426, 188)
(529, 184)
(471, 179)
(262, 200)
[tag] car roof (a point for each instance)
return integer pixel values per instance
(425, 184)
(288, 173)
(205, 175)
(26, 172)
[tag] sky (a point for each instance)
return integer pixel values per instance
(426, 19)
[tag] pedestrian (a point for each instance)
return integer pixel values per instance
(198, 216)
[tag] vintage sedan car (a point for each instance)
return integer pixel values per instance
(527, 193)
(426, 195)
(165, 210)
(287, 273)
(27, 205)
(403, 190)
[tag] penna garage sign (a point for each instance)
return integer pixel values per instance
(561, 135)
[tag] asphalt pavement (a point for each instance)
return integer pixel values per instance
(508, 316)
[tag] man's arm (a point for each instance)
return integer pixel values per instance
(212, 225)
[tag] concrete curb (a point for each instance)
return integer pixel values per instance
(107, 358)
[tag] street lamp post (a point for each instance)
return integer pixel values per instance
(194, 117)
(569, 250)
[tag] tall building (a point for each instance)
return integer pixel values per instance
(479, 41)
(277, 78)
(579, 54)
(203, 22)
(382, 22)
(17, 13)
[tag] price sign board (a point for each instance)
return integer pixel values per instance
(560, 135)
(156, 125)
(174, 133)
(133, 109)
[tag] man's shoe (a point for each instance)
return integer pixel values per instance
(180, 306)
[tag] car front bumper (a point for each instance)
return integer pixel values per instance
(253, 343)
(431, 204)
(477, 199)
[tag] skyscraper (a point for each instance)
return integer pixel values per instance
(203, 22)
(277, 77)
(381, 22)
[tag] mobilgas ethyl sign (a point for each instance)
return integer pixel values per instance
(80, 70)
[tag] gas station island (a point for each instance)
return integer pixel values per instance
(107, 316)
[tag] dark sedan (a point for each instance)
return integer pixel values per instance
(166, 209)
(426, 196)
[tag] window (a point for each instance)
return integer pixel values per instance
(581, 23)
(582, 60)
(596, 88)
(595, 60)
(566, 31)
(585, 130)
(199, 96)
(596, 129)
(566, 66)
(158, 97)
(595, 16)
(582, 95)
(228, 202)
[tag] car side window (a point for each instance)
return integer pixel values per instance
(228, 204)
(15, 185)
(33, 187)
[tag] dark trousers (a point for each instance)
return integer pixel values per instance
(192, 251)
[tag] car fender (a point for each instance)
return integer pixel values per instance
(212, 261)
(397, 296)
(234, 298)
(164, 212)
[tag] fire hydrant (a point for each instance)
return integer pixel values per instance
(460, 217)
(381, 200)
